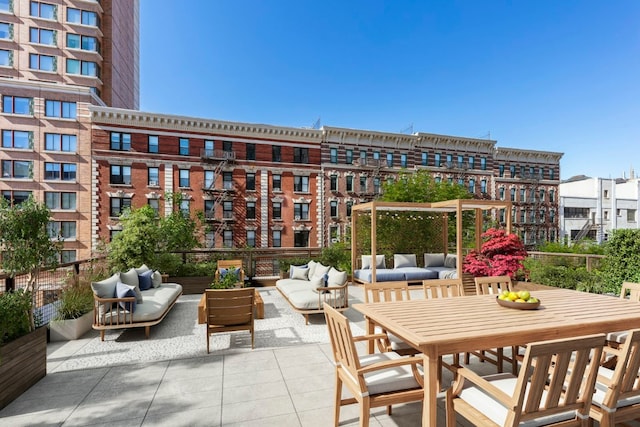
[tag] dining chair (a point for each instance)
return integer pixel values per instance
(631, 291)
(554, 387)
(229, 266)
(494, 285)
(374, 380)
(617, 393)
(387, 292)
(229, 310)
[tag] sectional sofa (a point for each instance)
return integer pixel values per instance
(405, 268)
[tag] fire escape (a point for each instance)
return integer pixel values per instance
(219, 193)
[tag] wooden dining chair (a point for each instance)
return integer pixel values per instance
(630, 291)
(556, 382)
(494, 285)
(229, 310)
(374, 380)
(387, 292)
(617, 393)
(224, 266)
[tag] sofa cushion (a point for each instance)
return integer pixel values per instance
(304, 300)
(417, 273)
(156, 303)
(336, 277)
(320, 271)
(144, 280)
(125, 291)
(312, 268)
(366, 262)
(434, 260)
(156, 279)
(131, 278)
(287, 286)
(142, 269)
(300, 273)
(404, 260)
(450, 261)
(105, 289)
(317, 282)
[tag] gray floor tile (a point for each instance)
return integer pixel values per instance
(186, 402)
(287, 420)
(252, 378)
(201, 417)
(250, 392)
(256, 410)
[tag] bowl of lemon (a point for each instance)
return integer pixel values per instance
(521, 300)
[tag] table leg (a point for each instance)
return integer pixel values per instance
(371, 328)
(429, 405)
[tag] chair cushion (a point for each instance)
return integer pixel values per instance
(404, 260)
(300, 273)
(620, 336)
(434, 260)
(497, 413)
(366, 262)
(601, 390)
(131, 278)
(388, 380)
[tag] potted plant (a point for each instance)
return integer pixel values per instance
(227, 280)
(501, 254)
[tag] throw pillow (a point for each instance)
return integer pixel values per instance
(144, 280)
(105, 289)
(404, 260)
(142, 269)
(450, 261)
(320, 271)
(131, 278)
(336, 278)
(124, 291)
(366, 261)
(301, 273)
(433, 260)
(316, 282)
(156, 279)
(312, 268)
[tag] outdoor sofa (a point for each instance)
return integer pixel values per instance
(134, 299)
(436, 266)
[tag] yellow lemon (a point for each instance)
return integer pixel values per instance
(525, 295)
(512, 296)
(519, 300)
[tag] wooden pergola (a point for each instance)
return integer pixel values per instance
(457, 206)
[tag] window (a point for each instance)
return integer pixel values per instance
(333, 156)
(227, 209)
(76, 41)
(251, 181)
(227, 180)
(300, 155)
(276, 237)
(251, 238)
(63, 229)
(438, 179)
(83, 68)
(542, 195)
(208, 148)
(60, 142)
(17, 139)
(501, 170)
(184, 147)
(19, 169)
(152, 144)
(118, 205)
(209, 179)
(153, 176)
(16, 197)
(183, 178)
(349, 157)
(390, 160)
(523, 195)
(333, 180)
(251, 210)
(436, 160)
(606, 215)
(301, 239)
(349, 206)
(6, 6)
(349, 179)
(501, 193)
(363, 157)
(460, 162)
(276, 182)
(42, 36)
(472, 161)
(619, 212)
(275, 153)
(424, 159)
(403, 160)
(42, 10)
(63, 171)
(42, 62)
(483, 163)
(227, 238)
(155, 205)
(17, 105)
(276, 210)
(120, 141)
(363, 184)
(301, 184)
(376, 185)
(227, 146)
(333, 208)
(60, 201)
(513, 194)
(251, 151)
(376, 156)
(512, 171)
(6, 58)
(120, 175)
(209, 209)
(606, 194)
(523, 216)
(84, 17)
(449, 160)
(532, 216)
(472, 185)
(301, 211)
(185, 208)
(631, 215)
(65, 110)
(501, 216)
(6, 31)
(551, 174)
(576, 212)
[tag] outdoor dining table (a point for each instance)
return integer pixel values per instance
(443, 326)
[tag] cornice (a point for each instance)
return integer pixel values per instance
(455, 142)
(366, 137)
(505, 153)
(134, 118)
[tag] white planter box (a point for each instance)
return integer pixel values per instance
(72, 329)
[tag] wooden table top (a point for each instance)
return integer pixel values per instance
(467, 323)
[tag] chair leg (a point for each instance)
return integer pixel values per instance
(207, 332)
(365, 412)
(449, 411)
(500, 359)
(336, 414)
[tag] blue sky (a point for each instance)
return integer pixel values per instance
(552, 75)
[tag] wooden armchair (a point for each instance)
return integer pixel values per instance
(375, 380)
(494, 285)
(556, 381)
(229, 310)
(629, 291)
(225, 264)
(617, 396)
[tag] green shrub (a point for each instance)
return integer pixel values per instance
(196, 269)
(168, 263)
(14, 315)
(337, 255)
(227, 281)
(568, 277)
(285, 263)
(623, 258)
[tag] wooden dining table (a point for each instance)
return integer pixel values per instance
(437, 327)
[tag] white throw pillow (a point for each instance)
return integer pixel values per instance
(320, 271)
(316, 282)
(404, 260)
(300, 273)
(336, 278)
(131, 278)
(156, 279)
(312, 267)
(434, 260)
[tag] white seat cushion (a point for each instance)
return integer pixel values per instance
(387, 380)
(601, 390)
(619, 337)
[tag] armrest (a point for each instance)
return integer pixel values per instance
(413, 360)
(467, 374)
(112, 300)
(369, 337)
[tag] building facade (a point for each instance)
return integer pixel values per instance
(57, 58)
(593, 207)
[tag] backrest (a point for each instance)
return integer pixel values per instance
(556, 376)
(442, 288)
(342, 344)
(229, 263)
(492, 285)
(386, 292)
(632, 290)
(228, 307)
(624, 383)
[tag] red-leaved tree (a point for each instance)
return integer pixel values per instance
(501, 254)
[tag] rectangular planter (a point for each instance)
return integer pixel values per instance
(23, 362)
(70, 329)
(192, 285)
